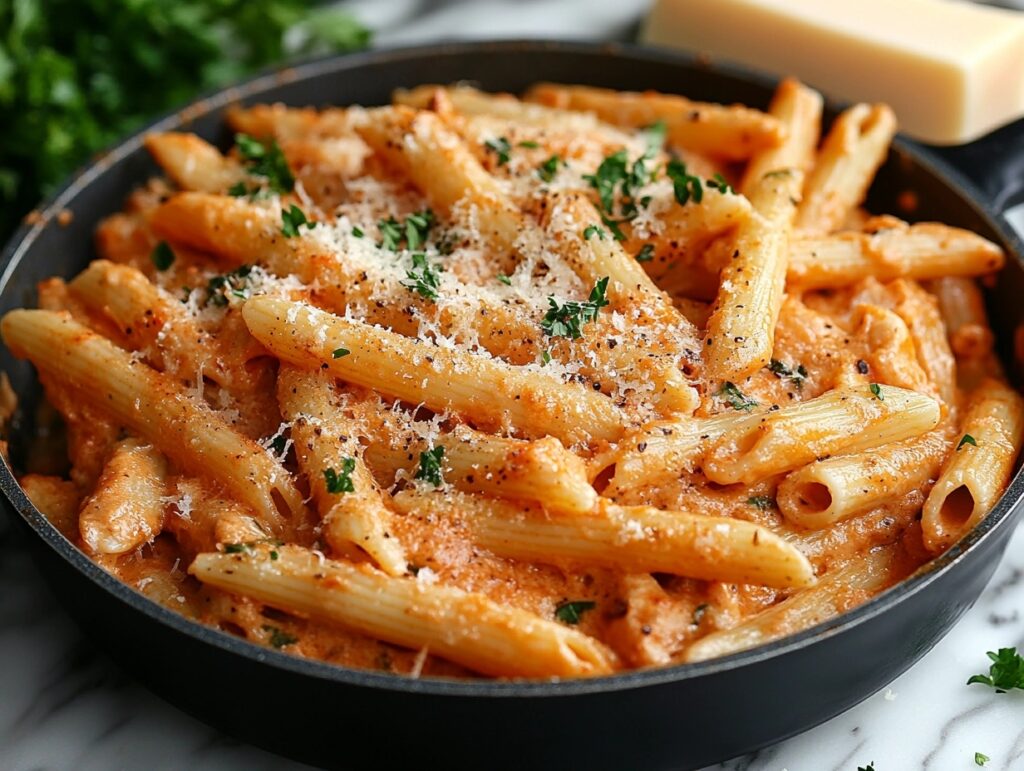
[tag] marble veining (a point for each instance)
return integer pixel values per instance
(66, 706)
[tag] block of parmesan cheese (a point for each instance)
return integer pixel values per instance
(952, 70)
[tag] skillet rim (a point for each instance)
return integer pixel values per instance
(24, 237)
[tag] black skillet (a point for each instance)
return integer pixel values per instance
(672, 718)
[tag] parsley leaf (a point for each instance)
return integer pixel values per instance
(162, 256)
(1005, 673)
(278, 637)
(341, 482)
(762, 502)
(529, 144)
(499, 147)
(220, 289)
(547, 170)
(718, 182)
(795, 375)
(357, 232)
(967, 439)
(734, 397)
(567, 319)
(571, 612)
(292, 220)
(337, 353)
(656, 134)
(413, 231)
(646, 253)
(616, 178)
(505, 279)
(545, 357)
(685, 186)
(430, 469)
(267, 161)
(592, 230)
(424, 278)
(981, 759)
(877, 391)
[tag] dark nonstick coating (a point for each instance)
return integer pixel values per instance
(672, 718)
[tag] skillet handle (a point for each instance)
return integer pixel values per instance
(994, 163)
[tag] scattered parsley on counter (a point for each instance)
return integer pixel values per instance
(341, 482)
(735, 398)
(967, 439)
(762, 502)
(685, 186)
(162, 256)
(547, 170)
(567, 319)
(424, 278)
(499, 147)
(1005, 673)
(795, 375)
(572, 612)
(337, 353)
(980, 759)
(278, 637)
(877, 391)
(429, 469)
(292, 219)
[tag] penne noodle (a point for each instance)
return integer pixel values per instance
(638, 539)
(977, 471)
(798, 110)
(850, 155)
(57, 499)
(159, 411)
(841, 421)
(466, 628)
(730, 132)
(489, 391)
(193, 163)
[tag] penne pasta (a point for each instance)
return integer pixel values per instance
(798, 110)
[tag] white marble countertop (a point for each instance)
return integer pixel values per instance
(66, 706)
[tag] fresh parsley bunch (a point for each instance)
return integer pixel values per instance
(77, 74)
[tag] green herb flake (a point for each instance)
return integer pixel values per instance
(390, 234)
(571, 612)
(1005, 673)
(762, 502)
(338, 482)
(430, 469)
(357, 232)
(233, 284)
(718, 182)
(646, 253)
(265, 159)
(273, 555)
(967, 439)
(593, 230)
(685, 186)
(235, 548)
(278, 444)
(529, 144)
(278, 637)
(656, 134)
(567, 319)
(292, 219)
(413, 231)
(499, 147)
(162, 256)
(735, 398)
(795, 375)
(337, 353)
(423, 278)
(981, 759)
(699, 612)
(505, 280)
(238, 190)
(877, 391)
(545, 357)
(547, 170)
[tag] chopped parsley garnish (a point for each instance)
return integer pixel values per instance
(233, 284)
(424, 278)
(505, 279)
(529, 144)
(162, 256)
(592, 230)
(685, 186)
(545, 357)
(499, 147)
(698, 613)
(235, 548)
(337, 353)
(571, 612)
(429, 469)
(292, 219)
(547, 170)
(981, 759)
(278, 637)
(646, 253)
(718, 182)
(656, 134)
(1005, 673)
(341, 482)
(762, 502)
(967, 439)
(414, 231)
(265, 159)
(567, 319)
(795, 375)
(735, 398)
(615, 178)
(357, 232)
(239, 189)
(877, 391)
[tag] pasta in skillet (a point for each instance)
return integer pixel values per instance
(545, 387)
